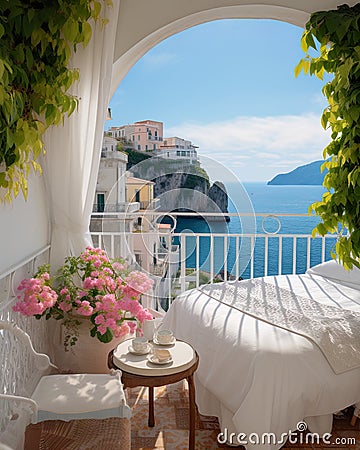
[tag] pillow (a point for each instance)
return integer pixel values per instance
(336, 272)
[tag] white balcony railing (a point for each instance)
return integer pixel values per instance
(18, 373)
(216, 256)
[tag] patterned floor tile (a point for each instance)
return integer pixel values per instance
(172, 422)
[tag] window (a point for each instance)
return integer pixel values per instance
(138, 258)
(139, 147)
(100, 202)
(138, 137)
(137, 196)
(146, 147)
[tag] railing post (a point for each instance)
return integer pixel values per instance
(182, 262)
(308, 253)
(294, 256)
(225, 257)
(280, 255)
(211, 258)
(237, 258)
(266, 255)
(197, 260)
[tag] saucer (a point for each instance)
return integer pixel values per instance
(154, 360)
(172, 342)
(145, 352)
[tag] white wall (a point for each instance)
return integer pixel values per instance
(24, 225)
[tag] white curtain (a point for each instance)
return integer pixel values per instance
(73, 150)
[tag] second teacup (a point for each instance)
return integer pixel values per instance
(140, 344)
(165, 336)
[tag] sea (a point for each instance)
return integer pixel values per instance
(259, 198)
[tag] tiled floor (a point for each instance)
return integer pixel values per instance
(171, 424)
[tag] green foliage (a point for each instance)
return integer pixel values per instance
(135, 157)
(335, 36)
(37, 39)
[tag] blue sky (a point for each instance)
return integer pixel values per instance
(229, 87)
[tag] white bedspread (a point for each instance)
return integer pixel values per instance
(258, 378)
(336, 331)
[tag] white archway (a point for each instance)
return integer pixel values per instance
(142, 25)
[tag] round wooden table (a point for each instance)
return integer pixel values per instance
(138, 370)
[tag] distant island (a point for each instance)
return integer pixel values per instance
(308, 174)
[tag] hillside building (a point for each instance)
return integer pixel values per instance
(178, 148)
(144, 136)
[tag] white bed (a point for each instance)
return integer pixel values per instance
(259, 378)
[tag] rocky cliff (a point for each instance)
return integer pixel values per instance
(181, 186)
(217, 193)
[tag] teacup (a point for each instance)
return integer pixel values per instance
(162, 355)
(140, 344)
(165, 336)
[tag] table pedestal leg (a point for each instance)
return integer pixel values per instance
(151, 421)
(192, 407)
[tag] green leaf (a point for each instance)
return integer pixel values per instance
(37, 41)
(106, 338)
(29, 58)
(71, 30)
(97, 9)
(304, 44)
(3, 181)
(87, 33)
(50, 114)
(299, 68)
(310, 41)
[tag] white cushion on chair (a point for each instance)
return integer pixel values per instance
(80, 396)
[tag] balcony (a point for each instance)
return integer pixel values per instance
(192, 269)
(114, 155)
(112, 208)
(150, 204)
(55, 208)
(186, 260)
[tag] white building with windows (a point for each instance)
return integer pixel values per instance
(178, 148)
(110, 185)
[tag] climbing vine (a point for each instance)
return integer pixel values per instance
(335, 36)
(37, 39)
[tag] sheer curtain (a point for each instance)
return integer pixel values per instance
(73, 150)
